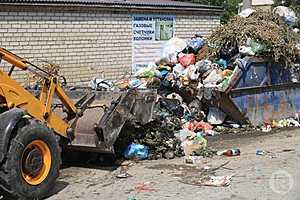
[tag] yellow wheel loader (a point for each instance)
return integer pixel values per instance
(35, 125)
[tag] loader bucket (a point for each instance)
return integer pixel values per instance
(101, 122)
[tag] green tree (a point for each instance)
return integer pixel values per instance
(230, 7)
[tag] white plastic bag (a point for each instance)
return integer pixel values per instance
(193, 73)
(181, 71)
(100, 84)
(175, 96)
(172, 47)
(286, 13)
(215, 116)
(246, 51)
(247, 12)
(213, 77)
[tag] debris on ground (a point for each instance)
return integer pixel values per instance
(136, 151)
(229, 152)
(217, 181)
(124, 170)
(287, 150)
(260, 152)
(192, 159)
(145, 187)
(131, 198)
(205, 177)
(123, 175)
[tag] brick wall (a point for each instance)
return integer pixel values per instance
(84, 43)
(188, 25)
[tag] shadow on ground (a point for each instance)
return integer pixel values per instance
(59, 186)
(6, 196)
(81, 159)
(90, 160)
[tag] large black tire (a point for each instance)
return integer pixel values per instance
(26, 135)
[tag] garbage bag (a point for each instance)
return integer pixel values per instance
(193, 73)
(247, 51)
(227, 73)
(213, 78)
(257, 48)
(134, 83)
(222, 63)
(164, 61)
(209, 90)
(287, 14)
(198, 126)
(148, 72)
(100, 84)
(136, 151)
(247, 12)
(184, 133)
(195, 44)
(186, 59)
(195, 108)
(172, 105)
(190, 145)
(175, 96)
(229, 50)
(163, 73)
(215, 116)
(144, 83)
(203, 66)
(181, 71)
(172, 47)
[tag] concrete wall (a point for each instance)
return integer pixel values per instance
(83, 42)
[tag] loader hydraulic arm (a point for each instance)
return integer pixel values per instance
(17, 96)
(13, 59)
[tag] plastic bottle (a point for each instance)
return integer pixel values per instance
(232, 152)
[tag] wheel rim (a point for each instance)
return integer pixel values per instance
(36, 162)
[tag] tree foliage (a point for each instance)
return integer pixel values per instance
(230, 6)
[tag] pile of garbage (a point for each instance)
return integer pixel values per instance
(183, 119)
(180, 122)
(259, 33)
